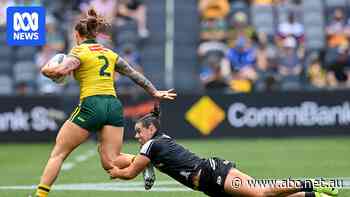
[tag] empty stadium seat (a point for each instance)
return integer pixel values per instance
(126, 33)
(290, 83)
(315, 44)
(314, 19)
(6, 86)
(24, 72)
(314, 37)
(2, 37)
(239, 6)
(262, 18)
(26, 53)
(5, 67)
(340, 3)
(6, 53)
(314, 25)
(312, 5)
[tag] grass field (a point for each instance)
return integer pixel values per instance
(82, 176)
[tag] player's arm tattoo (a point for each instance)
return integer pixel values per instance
(124, 68)
(69, 64)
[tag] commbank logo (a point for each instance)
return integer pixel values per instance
(25, 26)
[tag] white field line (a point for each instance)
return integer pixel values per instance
(127, 183)
(89, 188)
(160, 186)
(78, 159)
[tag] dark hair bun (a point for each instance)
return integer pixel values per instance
(91, 25)
(156, 111)
(92, 12)
(92, 22)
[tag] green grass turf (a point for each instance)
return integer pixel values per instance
(22, 164)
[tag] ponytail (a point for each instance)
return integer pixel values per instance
(152, 118)
(156, 111)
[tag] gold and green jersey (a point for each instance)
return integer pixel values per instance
(96, 71)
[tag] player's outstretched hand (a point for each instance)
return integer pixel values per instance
(168, 94)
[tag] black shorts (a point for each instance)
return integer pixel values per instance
(213, 175)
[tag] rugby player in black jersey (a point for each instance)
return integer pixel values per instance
(213, 176)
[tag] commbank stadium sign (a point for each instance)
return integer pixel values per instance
(37, 119)
(306, 114)
(273, 114)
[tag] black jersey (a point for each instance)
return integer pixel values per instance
(172, 158)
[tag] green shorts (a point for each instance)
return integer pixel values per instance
(96, 111)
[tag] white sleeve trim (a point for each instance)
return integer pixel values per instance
(146, 148)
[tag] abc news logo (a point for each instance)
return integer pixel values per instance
(33, 21)
(25, 26)
(29, 29)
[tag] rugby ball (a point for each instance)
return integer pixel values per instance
(54, 61)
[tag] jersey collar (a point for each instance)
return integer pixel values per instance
(157, 134)
(89, 41)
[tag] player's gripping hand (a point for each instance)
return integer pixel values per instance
(114, 172)
(168, 94)
(50, 71)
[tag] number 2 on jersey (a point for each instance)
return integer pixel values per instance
(104, 67)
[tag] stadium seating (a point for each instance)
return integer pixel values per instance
(6, 53)
(290, 83)
(24, 72)
(239, 6)
(152, 52)
(185, 48)
(315, 16)
(6, 67)
(315, 38)
(127, 33)
(335, 3)
(314, 24)
(26, 53)
(2, 36)
(312, 5)
(6, 86)
(262, 18)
